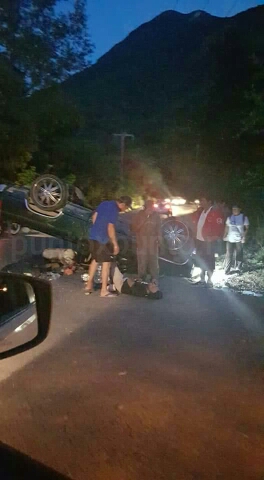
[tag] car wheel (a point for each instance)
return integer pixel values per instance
(175, 235)
(15, 228)
(49, 193)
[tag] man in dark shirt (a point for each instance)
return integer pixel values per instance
(103, 241)
(136, 288)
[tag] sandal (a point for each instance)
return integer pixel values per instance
(108, 295)
(88, 291)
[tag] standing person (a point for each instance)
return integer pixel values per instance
(226, 211)
(236, 229)
(103, 241)
(147, 227)
(209, 226)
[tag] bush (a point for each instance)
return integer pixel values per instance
(260, 237)
(26, 176)
(260, 255)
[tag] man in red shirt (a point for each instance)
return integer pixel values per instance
(209, 227)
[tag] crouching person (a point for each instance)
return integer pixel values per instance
(137, 288)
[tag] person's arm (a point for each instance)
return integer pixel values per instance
(227, 224)
(246, 228)
(158, 226)
(94, 217)
(112, 236)
(138, 221)
(134, 223)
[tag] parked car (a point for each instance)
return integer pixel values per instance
(46, 206)
(25, 310)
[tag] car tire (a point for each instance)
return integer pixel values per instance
(49, 193)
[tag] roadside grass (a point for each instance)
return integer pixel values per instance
(252, 277)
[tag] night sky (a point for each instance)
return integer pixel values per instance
(112, 20)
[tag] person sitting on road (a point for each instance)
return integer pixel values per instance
(137, 288)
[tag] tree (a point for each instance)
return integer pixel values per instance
(17, 136)
(43, 44)
(39, 46)
(253, 114)
(56, 121)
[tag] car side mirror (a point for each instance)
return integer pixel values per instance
(25, 311)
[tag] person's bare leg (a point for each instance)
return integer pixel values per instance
(105, 276)
(92, 270)
(209, 280)
(202, 276)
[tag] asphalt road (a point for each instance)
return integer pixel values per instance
(130, 389)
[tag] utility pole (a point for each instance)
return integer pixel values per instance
(122, 137)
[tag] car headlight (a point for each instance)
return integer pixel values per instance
(178, 201)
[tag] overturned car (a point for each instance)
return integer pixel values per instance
(52, 207)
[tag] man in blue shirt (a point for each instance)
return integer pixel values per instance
(103, 242)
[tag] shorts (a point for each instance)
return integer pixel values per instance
(205, 255)
(101, 252)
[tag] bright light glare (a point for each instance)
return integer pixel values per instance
(197, 202)
(179, 201)
(156, 205)
(196, 272)
(167, 200)
(219, 276)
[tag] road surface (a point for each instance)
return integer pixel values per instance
(132, 389)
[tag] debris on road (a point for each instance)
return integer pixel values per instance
(45, 266)
(246, 292)
(52, 276)
(85, 277)
(64, 256)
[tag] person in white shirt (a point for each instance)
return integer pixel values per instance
(236, 229)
